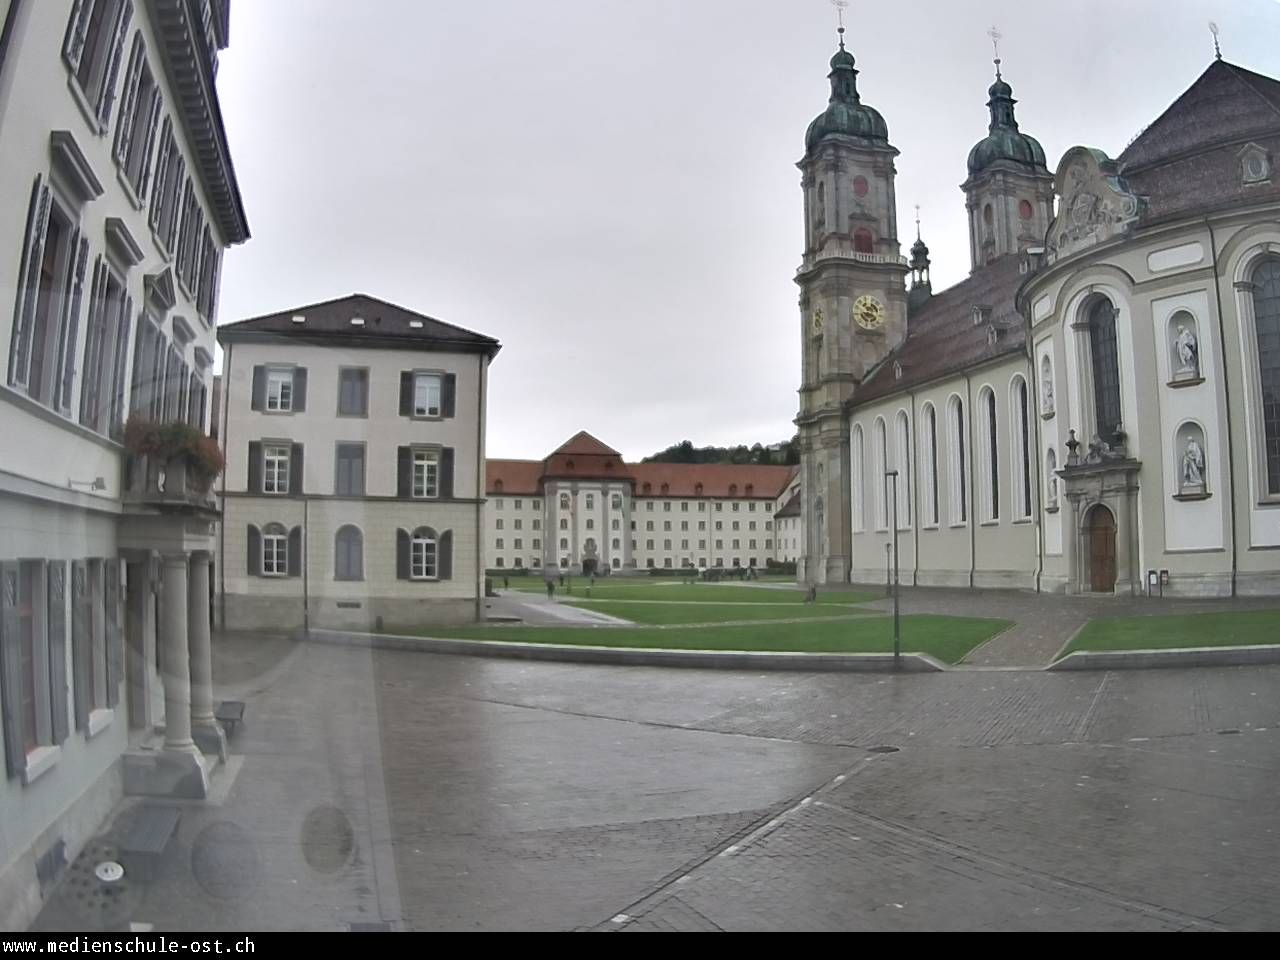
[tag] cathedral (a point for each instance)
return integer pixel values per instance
(1096, 407)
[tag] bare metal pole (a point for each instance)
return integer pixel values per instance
(892, 475)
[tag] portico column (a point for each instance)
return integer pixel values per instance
(174, 614)
(198, 638)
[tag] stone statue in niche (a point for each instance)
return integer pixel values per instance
(1188, 352)
(1053, 491)
(1046, 393)
(1192, 467)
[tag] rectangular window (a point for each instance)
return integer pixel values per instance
(719, 524)
(350, 464)
(591, 501)
(615, 524)
(591, 524)
(666, 506)
(92, 50)
(498, 524)
(736, 525)
(498, 545)
(736, 506)
(422, 558)
(648, 544)
(279, 391)
(275, 554)
(519, 505)
(498, 562)
(353, 392)
(737, 544)
(518, 544)
(426, 394)
(702, 524)
(751, 525)
(564, 543)
(719, 508)
(537, 505)
(684, 544)
(702, 544)
(649, 505)
(426, 474)
(666, 544)
(499, 504)
(666, 525)
(537, 544)
(518, 524)
(537, 524)
(684, 506)
(564, 524)
(768, 508)
(719, 546)
(139, 118)
(752, 545)
(275, 468)
(617, 501)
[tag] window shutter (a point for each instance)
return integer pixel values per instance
(448, 400)
(56, 581)
(259, 395)
(444, 563)
(129, 106)
(90, 409)
(163, 159)
(295, 469)
(71, 327)
(404, 473)
(15, 756)
(148, 150)
(114, 628)
(253, 562)
(29, 284)
(300, 390)
(81, 641)
(113, 65)
(255, 467)
(446, 473)
(295, 552)
(406, 393)
(402, 555)
(73, 43)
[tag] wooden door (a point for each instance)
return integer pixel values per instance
(1102, 550)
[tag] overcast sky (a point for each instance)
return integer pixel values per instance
(609, 188)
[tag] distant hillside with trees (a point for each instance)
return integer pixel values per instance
(786, 453)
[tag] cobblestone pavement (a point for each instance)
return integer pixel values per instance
(449, 793)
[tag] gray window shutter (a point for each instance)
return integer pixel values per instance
(402, 555)
(129, 106)
(163, 159)
(295, 552)
(253, 562)
(259, 396)
(114, 628)
(57, 590)
(153, 127)
(29, 285)
(113, 65)
(300, 390)
(255, 467)
(406, 393)
(81, 641)
(15, 754)
(295, 469)
(73, 42)
(444, 567)
(95, 335)
(449, 397)
(446, 473)
(404, 473)
(70, 333)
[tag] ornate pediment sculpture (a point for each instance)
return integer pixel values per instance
(1095, 202)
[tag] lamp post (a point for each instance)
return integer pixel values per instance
(891, 480)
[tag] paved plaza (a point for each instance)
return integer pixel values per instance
(430, 792)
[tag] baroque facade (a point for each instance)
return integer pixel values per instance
(1096, 407)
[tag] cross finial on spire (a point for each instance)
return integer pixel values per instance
(996, 36)
(1217, 48)
(917, 221)
(840, 6)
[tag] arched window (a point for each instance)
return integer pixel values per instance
(1019, 404)
(988, 445)
(880, 460)
(988, 221)
(348, 554)
(863, 242)
(1266, 315)
(857, 480)
(929, 451)
(820, 213)
(1106, 369)
(903, 466)
(958, 462)
(423, 554)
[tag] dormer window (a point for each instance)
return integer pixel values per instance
(980, 315)
(1255, 164)
(897, 370)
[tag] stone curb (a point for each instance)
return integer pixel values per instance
(698, 659)
(1184, 657)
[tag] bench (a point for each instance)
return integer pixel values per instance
(150, 830)
(230, 713)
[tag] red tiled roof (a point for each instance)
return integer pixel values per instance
(583, 444)
(515, 476)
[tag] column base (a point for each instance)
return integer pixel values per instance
(210, 738)
(167, 773)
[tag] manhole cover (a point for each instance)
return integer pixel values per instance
(108, 871)
(883, 750)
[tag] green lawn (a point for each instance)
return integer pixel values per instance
(696, 592)
(1242, 628)
(947, 638)
(666, 613)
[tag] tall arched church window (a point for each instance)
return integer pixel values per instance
(1266, 313)
(1022, 448)
(989, 445)
(1105, 359)
(880, 442)
(903, 466)
(958, 461)
(858, 479)
(930, 473)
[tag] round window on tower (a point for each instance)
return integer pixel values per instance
(860, 186)
(1025, 210)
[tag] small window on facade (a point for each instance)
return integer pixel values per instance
(564, 501)
(275, 551)
(426, 474)
(275, 468)
(279, 391)
(426, 394)
(353, 392)
(423, 553)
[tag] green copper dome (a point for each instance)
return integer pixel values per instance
(1004, 141)
(846, 115)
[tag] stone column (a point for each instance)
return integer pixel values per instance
(204, 727)
(174, 614)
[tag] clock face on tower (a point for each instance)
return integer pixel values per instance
(868, 313)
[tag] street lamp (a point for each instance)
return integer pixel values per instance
(891, 480)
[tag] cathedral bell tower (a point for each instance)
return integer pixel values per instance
(853, 302)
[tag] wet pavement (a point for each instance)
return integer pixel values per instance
(446, 793)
